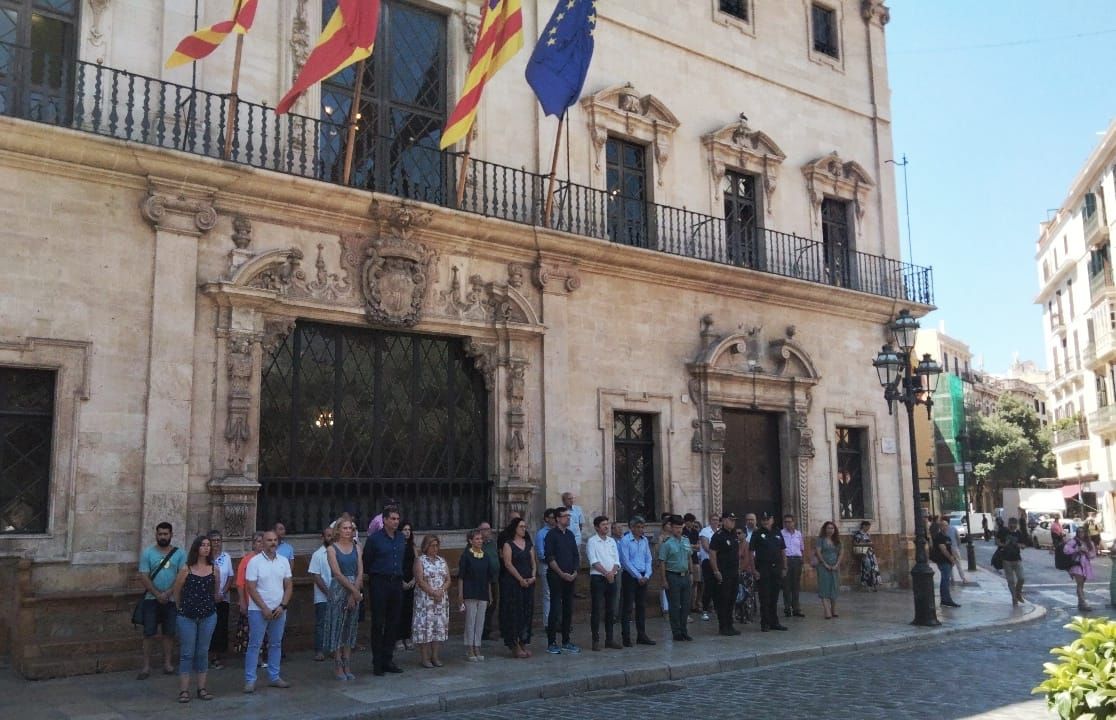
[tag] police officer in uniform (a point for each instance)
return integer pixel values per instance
(724, 562)
(770, 560)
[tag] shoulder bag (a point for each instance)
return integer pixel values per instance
(137, 611)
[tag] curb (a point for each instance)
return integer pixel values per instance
(659, 672)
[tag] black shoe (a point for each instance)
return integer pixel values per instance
(393, 668)
(779, 627)
(644, 640)
(678, 637)
(799, 613)
(787, 612)
(378, 673)
(951, 604)
(763, 628)
(627, 642)
(726, 631)
(686, 637)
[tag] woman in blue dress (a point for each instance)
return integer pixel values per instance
(828, 554)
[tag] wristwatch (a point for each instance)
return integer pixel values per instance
(282, 605)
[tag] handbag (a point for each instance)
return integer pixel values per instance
(998, 559)
(137, 611)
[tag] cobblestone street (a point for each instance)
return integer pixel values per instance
(983, 675)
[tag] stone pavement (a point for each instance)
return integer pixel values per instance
(868, 621)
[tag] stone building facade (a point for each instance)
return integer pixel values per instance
(227, 336)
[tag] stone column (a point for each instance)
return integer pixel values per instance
(180, 214)
(557, 281)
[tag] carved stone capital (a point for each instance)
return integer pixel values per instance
(557, 278)
(875, 11)
(233, 506)
(179, 208)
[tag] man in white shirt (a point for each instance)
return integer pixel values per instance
(792, 582)
(321, 575)
(604, 576)
(268, 579)
(708, 581)
(222, 563)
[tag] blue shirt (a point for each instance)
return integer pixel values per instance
(635, 556)
(577, 521)
(151, 558)
(286, 550)
(561, 547)
(540, 542)
(384, 555)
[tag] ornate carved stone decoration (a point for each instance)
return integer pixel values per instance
(275, 332)
(844, 179)
(242, 232)
(184, 209)
(516, 444)
(470, 25)
(739, 147)
(300, 38)
(554, 277)
(327, 286)
(287, 278)
(97, 11)
(744, 369)
(484, 357)
(239, 363)
(397, 268)
(622, 110)
(875, 11)
(472, 305)
(516, 275)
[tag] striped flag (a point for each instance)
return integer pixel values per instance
(201, 43)
(347, 38)
(499, 38)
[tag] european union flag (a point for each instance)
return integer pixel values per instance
(560, 61)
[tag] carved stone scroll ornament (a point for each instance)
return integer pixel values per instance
(875, 11)
(469, 27)
(471, 304)
(844, 179)
(484, 356)
(622, 110)
(275, 333)
(517, 420)
(739, 147)
(242, 232)
(97, 12)
(188, 213)
(300, 38)
(287, 278)
(238, 430)
(557, 278)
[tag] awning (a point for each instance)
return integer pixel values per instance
(1070, 491)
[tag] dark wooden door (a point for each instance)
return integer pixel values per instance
(752, 478)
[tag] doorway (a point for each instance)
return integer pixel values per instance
(752, 469)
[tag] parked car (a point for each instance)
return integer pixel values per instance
(959, 523)
(1041, 537)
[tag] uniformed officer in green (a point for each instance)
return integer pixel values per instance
(724, 562)
(674, 553)
(770, 560)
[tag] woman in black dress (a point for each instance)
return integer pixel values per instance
(407, 610)
(517, 588)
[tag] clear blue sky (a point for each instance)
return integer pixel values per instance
(997, 105)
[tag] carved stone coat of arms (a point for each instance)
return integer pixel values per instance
(395, 277)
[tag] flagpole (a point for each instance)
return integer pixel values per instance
(354, 111)
(465, 160)
(553, 172)
(230, 128)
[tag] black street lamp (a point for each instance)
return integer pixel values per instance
(911, 386)
(966, 468)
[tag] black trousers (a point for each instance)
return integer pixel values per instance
(769, 585)
(603, 593)
(490, 611)
(633, 595)
(708, 586)
(385, 603)
(726, 599)
(561, 607)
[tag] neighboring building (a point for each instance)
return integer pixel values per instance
(1078, 297)
(943, 437)
(230, 341)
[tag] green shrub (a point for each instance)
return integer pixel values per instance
(1082, 684)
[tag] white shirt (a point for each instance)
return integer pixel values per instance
(602, 550)
(319, 565)
(707, 533)
(793, 541)
(223, 563)
(268, 575)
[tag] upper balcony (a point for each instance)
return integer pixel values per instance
(134, 108)
(1103, 420)
(1093, 222)
(1071, 437)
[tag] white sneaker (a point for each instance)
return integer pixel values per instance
(705, 616)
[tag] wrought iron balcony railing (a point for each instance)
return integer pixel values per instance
(120, 104)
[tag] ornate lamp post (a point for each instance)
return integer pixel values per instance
(911, 386)
(967, 468)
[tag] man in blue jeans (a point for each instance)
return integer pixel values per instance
(268, 579)
(941, 552)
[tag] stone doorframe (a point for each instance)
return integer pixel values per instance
(745, 371)
(386, 281)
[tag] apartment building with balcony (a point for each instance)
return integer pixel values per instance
(1078, 297)
(202, 324)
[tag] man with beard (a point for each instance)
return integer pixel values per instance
(158, 568)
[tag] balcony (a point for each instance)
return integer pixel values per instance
(1089, 355)
(1069, 438)
(1057, 323)
(1103, 421)
(133, 108)
(1105, 344)
(1094, 227)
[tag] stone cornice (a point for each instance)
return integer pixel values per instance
(269, 197)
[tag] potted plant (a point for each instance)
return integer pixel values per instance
(1082, 684)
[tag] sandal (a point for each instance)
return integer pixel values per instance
(184, 696)
(204, 694)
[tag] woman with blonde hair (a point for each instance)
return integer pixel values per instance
(347, 573)
(430, 627)
(827, 554)
(474, 574)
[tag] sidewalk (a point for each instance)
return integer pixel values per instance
(868, 620)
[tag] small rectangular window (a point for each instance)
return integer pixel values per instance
(851, 471)
(736, 8)
(634, 452)
(824, 22)
(26, 427)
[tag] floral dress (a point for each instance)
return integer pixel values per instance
(431, 622)
(869, 567)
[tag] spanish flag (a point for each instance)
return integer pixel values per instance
(499, 38)
(201, 43)
(347, 38)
